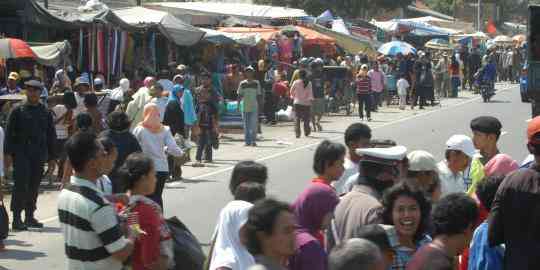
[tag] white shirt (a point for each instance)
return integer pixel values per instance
(450, 182)
(156, 145)
(105, 185)
(61, 129)
(351, 168)
(402, 86)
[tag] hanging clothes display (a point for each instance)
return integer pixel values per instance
(100, 45)
(81, 49)
(152, 48)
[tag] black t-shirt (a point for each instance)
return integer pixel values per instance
(207, 112)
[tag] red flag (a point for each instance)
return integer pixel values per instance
(491, 27)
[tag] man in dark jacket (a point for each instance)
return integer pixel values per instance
(30, 140)
(515, 214)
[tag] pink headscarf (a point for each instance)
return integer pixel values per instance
(500, 164)
(152, 121)
(147, 81)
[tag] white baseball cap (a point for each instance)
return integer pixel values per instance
(461, 143)
(420, 160)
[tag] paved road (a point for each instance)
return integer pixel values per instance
(198, 201)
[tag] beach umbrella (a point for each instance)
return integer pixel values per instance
(395, 47)
(439, 44)
(11, 48)
(502, 39)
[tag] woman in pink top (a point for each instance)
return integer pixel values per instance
(302, 95)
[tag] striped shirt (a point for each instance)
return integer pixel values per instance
(90, 227)
(363, 85)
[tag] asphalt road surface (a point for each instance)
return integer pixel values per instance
(199, 204)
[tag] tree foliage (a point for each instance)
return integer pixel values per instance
(443, 6)
(344, 8)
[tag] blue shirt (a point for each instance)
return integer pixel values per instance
(481, 255)
(5, 91)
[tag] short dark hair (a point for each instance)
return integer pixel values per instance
(90, 100)
(487, 188)
(118, 121)
(354, 254)
(326, 155)
(245, 171)
(250, 192)
(403, 189)
(68, 99)
(81, 148)
(107, 143)
(376, 234)
(453, 214)
(136, 166)
(356, 132)
(262, 217)
(83, 121)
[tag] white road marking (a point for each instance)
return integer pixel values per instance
(337, 137)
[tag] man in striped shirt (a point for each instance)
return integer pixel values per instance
(92, 236)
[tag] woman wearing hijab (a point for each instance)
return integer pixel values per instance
(188, 106)
(313, 211)
(228, 252)
(140, 99)
(500, 164)
(156, 141)
(174, 115)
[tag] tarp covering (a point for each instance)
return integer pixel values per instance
(264, 33)
(173, 28)
(350, 44)
(312, 37)
(38, 15)
(339, 26)
(220, 37)
(415, 27)
(52, 55)
(229, 9)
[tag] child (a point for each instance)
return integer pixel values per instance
(402, 86)
(208, 126)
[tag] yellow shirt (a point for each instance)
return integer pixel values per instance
(476, 174)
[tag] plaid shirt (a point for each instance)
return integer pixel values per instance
(404, 254)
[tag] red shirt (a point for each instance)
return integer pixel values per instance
(280, 89)
(147, 247)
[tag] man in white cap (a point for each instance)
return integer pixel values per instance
(11, 84)
(458, 156)
(422, 174)
(362, 206)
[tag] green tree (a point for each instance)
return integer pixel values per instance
(443, 6)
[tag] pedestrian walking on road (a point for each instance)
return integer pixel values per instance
(29, 142)
(250, 95)
(376, 78)
(125, 144)
(93, 238)
(302, 95)
(156, 141)
(208, 128)
(269, 234)
(363, 92)
(154, 248)
(402, 88)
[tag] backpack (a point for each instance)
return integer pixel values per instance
(188, 253)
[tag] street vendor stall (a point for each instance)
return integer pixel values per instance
(439, 44)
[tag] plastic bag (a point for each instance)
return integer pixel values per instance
(188, 254)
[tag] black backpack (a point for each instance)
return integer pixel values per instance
(188, 253)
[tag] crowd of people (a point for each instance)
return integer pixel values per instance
(369, 206)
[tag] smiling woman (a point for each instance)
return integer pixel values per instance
(408, 210)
